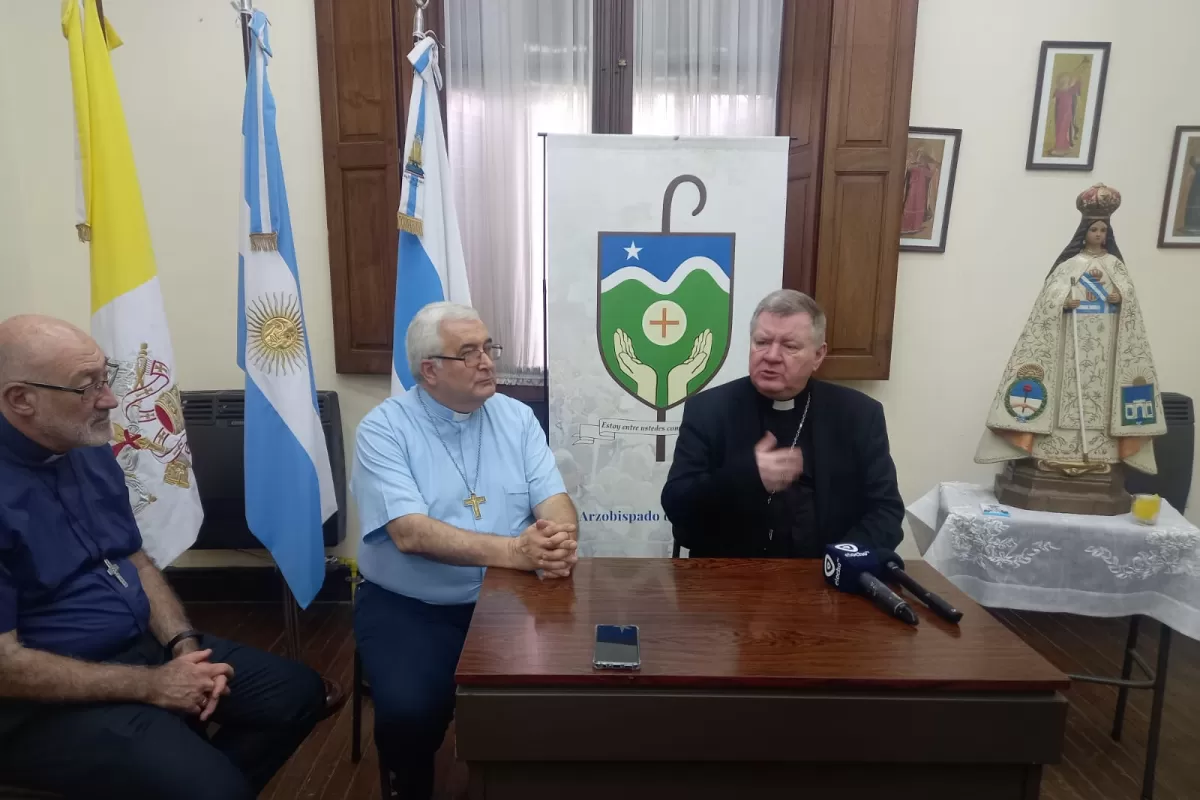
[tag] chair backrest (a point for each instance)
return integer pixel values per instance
(1174, 452)
(215, 424)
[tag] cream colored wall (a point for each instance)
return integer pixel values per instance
(957, 314)
(14, 282)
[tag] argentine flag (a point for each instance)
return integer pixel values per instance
(429, 262)
(289, 485)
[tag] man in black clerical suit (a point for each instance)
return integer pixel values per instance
(778, 464)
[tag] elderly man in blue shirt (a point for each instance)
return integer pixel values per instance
(105, 688)
(450, 479)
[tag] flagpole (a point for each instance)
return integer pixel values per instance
(100, 14)
(419, 19)
(245, 9)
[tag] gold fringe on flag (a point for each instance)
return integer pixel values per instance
(264, 242)
(84, 232)
(410, 224)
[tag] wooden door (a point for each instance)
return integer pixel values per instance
(862, 182)
(365, 82)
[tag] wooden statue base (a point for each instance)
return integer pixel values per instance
(1023, 485)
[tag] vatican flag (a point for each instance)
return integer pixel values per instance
(128, 319)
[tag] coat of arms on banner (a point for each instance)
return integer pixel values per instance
(148, 421)
(664, 308)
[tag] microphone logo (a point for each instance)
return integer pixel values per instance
(846, 547)
(829, 566)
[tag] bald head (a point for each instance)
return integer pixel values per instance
(32, 344)
(43, 362)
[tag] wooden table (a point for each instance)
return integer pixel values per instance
(757, 680)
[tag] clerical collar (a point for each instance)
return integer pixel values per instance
(440, 411)
(21, 446)
(788, 405)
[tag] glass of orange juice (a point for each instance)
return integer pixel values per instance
(1146, 508)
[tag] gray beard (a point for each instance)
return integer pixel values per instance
(90, 434)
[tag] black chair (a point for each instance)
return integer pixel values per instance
(1173, 452)
(360, 690)
(675, 546)
(216, 423)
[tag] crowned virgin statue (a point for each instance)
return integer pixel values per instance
(1079, 399)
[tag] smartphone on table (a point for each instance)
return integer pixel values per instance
(617, 647)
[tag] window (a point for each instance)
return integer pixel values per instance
(514, 70)
(706, 69)
(834, 75)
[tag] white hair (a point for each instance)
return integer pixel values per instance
(785, 303)
(424, 336)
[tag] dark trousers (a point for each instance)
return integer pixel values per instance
(409, 650)
(130, 750)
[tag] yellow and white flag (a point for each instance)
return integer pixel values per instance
(128, 319)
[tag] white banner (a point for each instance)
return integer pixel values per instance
(659, 248)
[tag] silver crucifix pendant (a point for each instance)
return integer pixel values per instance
(115, 571)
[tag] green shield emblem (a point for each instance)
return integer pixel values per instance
(664, 311)
(664, 308)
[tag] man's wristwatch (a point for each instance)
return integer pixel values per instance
(179, 637)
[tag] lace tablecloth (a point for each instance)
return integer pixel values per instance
(1080, 564)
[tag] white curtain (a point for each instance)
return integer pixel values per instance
(514, 69)
(706, 67)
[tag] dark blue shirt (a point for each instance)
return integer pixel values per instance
(60, 518)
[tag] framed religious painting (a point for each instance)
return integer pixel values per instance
(1181, 206)
(930, 164)
(1066, 108)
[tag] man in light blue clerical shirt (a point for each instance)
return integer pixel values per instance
(450, 478)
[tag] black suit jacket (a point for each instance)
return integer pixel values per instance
(715, 498)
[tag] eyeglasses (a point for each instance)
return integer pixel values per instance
(472, 357)
(86, 392)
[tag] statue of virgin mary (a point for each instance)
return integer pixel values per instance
(1080, 394)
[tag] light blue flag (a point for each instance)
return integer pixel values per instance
(289, 485)
(429, 263)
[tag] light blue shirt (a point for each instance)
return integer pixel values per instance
(402, 467)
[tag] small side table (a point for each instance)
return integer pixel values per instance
(1079, 564)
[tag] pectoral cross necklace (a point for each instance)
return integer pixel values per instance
(472, 501)
(795, 439)
(115, 572)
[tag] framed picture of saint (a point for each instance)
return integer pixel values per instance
(1181, 207)
(1066, 108)
(930, 164)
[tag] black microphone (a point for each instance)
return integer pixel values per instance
(856, 571)
(893, 567)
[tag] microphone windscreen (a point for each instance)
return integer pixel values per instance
(845, 562)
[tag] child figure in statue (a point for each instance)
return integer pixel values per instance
(1080, 394)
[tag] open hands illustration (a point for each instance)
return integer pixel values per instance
(642, 375)
(682, 374)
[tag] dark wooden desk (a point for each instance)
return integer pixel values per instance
(757, 681)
